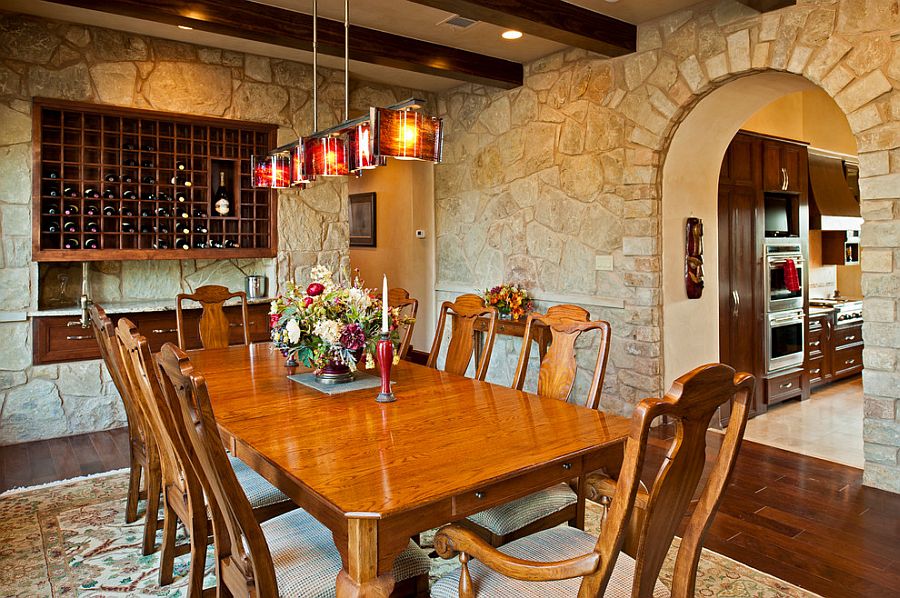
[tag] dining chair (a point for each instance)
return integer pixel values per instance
(569, 562)
(556, 377)
(143, 462)
(290, 555)
(464, 311)
(215, 329)
(399, 298)
(183, 499)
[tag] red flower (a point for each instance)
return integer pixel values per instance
(307, 301)
(314, 289)
(273, 320)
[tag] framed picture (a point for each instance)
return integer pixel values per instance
(362, 220)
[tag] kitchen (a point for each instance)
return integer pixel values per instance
(789, 225)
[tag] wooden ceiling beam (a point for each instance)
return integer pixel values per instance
(554, 20)
(287, 28)
(767, 5)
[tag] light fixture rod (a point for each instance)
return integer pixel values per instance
(346, 60)
(315, 48)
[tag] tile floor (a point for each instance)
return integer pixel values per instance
(828, 425)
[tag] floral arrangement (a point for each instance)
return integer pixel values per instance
(330, 322)
(509, 299)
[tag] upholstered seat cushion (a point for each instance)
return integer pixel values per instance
(259, 491)
(550, 545)
(509, 517)
(307, 562)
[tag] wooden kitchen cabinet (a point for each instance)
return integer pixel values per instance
(61, 338)
(784, 166)
(831, 353)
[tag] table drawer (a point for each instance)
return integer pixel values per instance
(848, 361)
(501, 492)
(847, 336)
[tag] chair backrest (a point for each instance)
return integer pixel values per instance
(244, 563)
(214, 327)
(558, 367)
(400, 298)
(465, 311)
(690, 403)
(104, 331)
(175, 461)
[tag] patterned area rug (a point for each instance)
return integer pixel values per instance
(70, 539)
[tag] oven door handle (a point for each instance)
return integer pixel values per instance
(781, 261)
(779, 322)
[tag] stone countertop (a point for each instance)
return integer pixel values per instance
(146, 305)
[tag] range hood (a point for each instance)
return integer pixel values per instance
(834, 204)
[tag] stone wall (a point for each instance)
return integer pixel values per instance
(60, 60)
(543, 184)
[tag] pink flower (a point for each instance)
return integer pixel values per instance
(353, 337)
(314, 289)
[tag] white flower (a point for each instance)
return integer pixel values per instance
(328, 330)
(293, 331)
(359, 299)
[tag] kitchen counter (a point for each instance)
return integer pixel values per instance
(147, 305)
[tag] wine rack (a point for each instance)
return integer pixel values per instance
(115, 183)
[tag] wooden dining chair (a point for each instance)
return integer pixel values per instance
(556, 378)
(183, 499)
(571, 562)
(464, 311)
(400, 298)
(290, 555)
(144, 477)
(215, 330)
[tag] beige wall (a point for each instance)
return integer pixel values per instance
(404, 203)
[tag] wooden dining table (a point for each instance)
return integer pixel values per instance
(376, 474)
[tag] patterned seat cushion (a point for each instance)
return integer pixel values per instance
(307, 562)
(550, 545)
(509, 517)
(259, 491)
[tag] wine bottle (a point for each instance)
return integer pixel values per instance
(110, 178)
(183, 214)
(109, 211)
(130, 195)
(146, 228)
(127, 227)
(91, 210)
(200, 244)
(70, 192)
(213, 244)
(180, 196)
(180, 166)
(229, 244)
(109, 194)
(70, 210)
(198, 213)
(162, 229)
(161, 244)
(222, 197)
(163, 197)
(126, 211)
(130, 162)
(146, 163)
(127, 178)
(163, 212)
(91, 227)
(90, 243)
(200, 229)
(51, 227)
(70, 226)
(52, 209)
(147, 147)
(148, 180)
(146, 213)
(54, 192)
(129, 146)
(71, 243)
(178, 180)
(182, 244)
(91, 192)
(52, 174)
(182, 228)
(148, 197)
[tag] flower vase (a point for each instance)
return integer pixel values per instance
(334, 373)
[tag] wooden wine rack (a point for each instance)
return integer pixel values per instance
(83, 143)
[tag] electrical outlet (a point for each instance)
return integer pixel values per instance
(603, 262)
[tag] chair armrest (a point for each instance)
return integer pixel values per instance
(599, 486)
(453, 540)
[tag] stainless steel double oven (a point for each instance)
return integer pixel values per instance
(785, 319)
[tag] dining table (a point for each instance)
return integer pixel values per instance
(376, 474)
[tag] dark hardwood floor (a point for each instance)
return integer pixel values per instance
(804, 520)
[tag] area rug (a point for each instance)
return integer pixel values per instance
(71, 539)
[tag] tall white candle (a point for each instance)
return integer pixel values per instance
(384, 307)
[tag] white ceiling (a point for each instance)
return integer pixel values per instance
(394, 16)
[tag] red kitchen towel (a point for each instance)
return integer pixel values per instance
(791, 279)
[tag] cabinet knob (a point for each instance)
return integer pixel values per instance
(851, 337)
(567, 466)
(479, 494)
(786, 385)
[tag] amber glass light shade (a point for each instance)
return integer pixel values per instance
(362, 148)
(281, 170)
(327, 156)
(299, 174)
(408, 134)
(261, 167)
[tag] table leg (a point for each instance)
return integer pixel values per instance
(359, 578)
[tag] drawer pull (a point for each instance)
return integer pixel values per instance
(164, 330)
(83, 337)
(236, 324)
(73, 323)
(850, 362)
(567, 466)
(815, 343)
(852, 337)
(479, 494)
(815, 371)
(786, 385)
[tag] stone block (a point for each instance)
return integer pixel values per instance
(878, 408)
(885, 477)
(70, 83)
(881, 431)
(639, 245)
(193, 88)
(877, 260)
(15, 284)
(10, 379)
(879, 358)
(118, 46)
(799, 58)
(260, 101)
(15, 127)
(886, 186)
(258, 68)
(115, 82)
(91, 413)
(862, 91)
(79, 378)
(739, 50)
(879, 453)
(45, 372)
(875, 209)
(15, 220)
(827, 56)
(881, 335)
(879, 310)
(15, 164)
(32, 412)
(693, 74)
(159, 279)
(26, 40)
(883, 384)
(836, 80)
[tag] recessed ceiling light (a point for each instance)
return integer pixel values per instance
(511, 34)
(185, 27)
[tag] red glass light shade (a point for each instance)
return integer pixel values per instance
(261, 167)
(327, 156)
(362, 148)
(408, 134)
(299, 174)
(281, 170)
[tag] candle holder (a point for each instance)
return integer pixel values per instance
(385, 354)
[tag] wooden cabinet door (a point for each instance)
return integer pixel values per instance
(741, 163)
(793, 160)
(773, 175)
